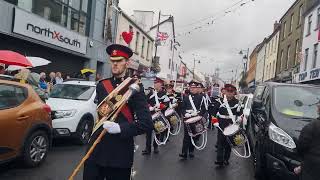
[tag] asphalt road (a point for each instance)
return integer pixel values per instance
(166, 165)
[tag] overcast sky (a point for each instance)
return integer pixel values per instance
(218, 45)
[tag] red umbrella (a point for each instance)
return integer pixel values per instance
(13, 58)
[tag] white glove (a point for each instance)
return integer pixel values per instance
(194, 114)
(187, 115)
(151, 108)
(112, 127)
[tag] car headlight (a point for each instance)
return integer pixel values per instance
(64, 113)
(277, 135)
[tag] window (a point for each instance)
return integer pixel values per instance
(296, 52)
(300, 14)
(71, 91)
(169, 63)
(284, 30)
(148, 48)
(318, 18)
(142, 47)
(11, 96)
(306, 56)
(309, 25)
(281, 60)
(171, 45)
(315, 55)
(288, 57)
(72, 14)
(291, 23)
(137, 42)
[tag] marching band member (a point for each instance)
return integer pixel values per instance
(224, 149)
(188, 112)
(113, 156)
(157, 100)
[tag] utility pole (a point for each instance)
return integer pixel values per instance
(156, 44)
(194, 66)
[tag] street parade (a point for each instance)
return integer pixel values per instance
(159, 90)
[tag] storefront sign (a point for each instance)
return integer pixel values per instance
(309, 75)
(35, 27)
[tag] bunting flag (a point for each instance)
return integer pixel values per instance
(162, 36)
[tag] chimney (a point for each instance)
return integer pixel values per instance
(276, 25)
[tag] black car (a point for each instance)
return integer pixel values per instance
(279, 112)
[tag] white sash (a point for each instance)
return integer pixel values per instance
(225, 102)
(192, 104)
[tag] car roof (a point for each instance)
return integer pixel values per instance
(80, 82)
(275, 84)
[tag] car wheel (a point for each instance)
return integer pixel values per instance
(84, 131)
(258, 164)
(36, 149)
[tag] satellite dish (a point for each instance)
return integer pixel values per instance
(298, 103)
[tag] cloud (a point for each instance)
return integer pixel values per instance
(242, 28)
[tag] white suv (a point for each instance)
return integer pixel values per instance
(73, 109)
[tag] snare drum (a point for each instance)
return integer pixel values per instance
(196, 126)
(172, 116)
(235, 135)
(160, 124)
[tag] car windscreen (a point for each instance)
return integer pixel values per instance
(301, 102)
(71, 91)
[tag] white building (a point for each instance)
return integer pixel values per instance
(271, 54)
(260, 63)
(142, 43)
(310, 65)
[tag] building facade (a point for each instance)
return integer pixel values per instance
(271, 54)
(310, 64)
(290, 41)
(251, 73)
(261, 56)
(68, 33)
(142, 44)
(166, 49)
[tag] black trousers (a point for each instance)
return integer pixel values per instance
(150, 140)
(93, 171)
(187, 146)
(224, 149)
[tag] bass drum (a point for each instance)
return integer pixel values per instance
(238, 140)
(175, 121)
(161, 127)
(196, 127)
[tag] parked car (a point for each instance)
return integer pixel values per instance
(279, 112)
(25, 123)
(73, 109)
(246, 102)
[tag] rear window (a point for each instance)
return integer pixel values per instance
(11, 96)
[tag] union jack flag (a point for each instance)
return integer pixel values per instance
(162, 36)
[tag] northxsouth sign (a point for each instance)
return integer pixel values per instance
(36, 27)
(53, 34)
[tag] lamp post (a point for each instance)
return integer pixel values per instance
(194, 65)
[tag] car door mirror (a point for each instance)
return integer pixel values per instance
(95, 100)
(257, 104)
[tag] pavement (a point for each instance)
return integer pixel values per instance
(166, 165)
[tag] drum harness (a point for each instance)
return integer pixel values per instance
(204, 135)
(233, 118)
(155, 95)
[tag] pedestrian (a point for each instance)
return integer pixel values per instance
(2, 68)
(158, 101)
(59, 79)
(113, 156)
(229, 104)
(190, 101)
(309, 148)
(42, 82)
(52, 79)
